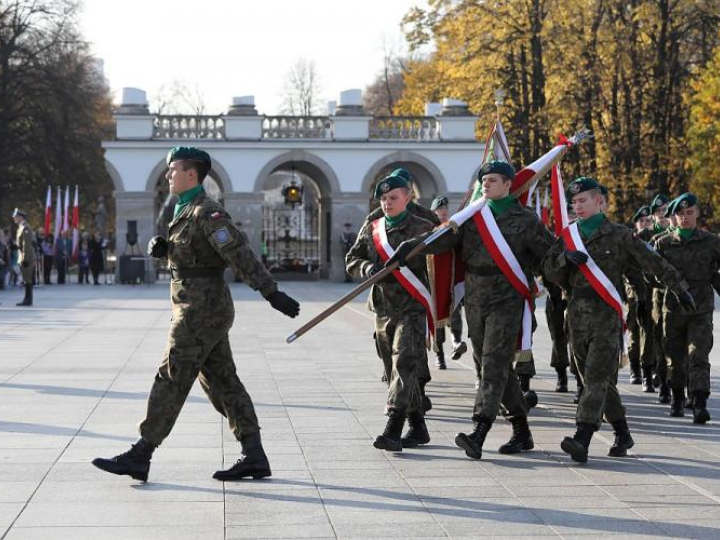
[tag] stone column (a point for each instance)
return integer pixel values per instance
(345, 207)
(246, 211)
(132, 118)
(136, 206)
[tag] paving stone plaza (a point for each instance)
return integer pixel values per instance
(75, 370)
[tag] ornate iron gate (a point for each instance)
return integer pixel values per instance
(291, 240)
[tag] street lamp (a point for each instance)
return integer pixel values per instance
(292, 194)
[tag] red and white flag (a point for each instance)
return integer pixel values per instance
(545, 209)
(48, 213)
(538, 208)
(559, 203)
(66, 211)
(76, 225)
(58, 215)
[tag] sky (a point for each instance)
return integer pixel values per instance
(241, 47)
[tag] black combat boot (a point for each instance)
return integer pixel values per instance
(440, 361)
(134, 463)
(253, 462)
(677, 406)
(531, 399)
(473, 443)
(579, 391)
(577, 445)
(663, 392)
(562, 380)
(521, 439)
(623, 440)
(458, 350)
(426, 403)
(28, 300)
(635, 377)
(524, 382)
(391, 439)
(700, 412)
(647, 380)
(418, 433)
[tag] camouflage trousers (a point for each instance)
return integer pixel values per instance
(456, 329)
(641, 348)
(494, 332)
(202, 354)
(401, 344)
(687, 343)
(657, 333)
(596, 342)
(555, 317)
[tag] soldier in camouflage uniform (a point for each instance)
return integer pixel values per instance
(594, 326)
(555, 306)
(400, 319)
(688, 335)
(25, 240)
(493, 307)
(202, 243)
(639, 318)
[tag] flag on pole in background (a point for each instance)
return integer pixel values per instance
(76, 225)
(546, 209)
(58, 215)
(560, 213)
(48, 213)
(66, 211)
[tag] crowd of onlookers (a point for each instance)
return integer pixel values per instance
(54, 255)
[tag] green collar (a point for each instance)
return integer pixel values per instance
(685, 234)
(590, 225)
(185, 197)
(659, 229)
(391, 222)
(500, 206)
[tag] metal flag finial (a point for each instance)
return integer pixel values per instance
(499, 98)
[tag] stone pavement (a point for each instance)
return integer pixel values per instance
(76, 368)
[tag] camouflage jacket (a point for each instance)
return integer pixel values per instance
(25, 239)
(618, 252)
(527, 237)
(204, 236)
(698, 261)
(388, 297)
(637, 286)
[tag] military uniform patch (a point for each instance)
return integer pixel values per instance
(216, 215)
(575, 188)
(222, 235)
(684, 204)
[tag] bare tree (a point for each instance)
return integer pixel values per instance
(179, 97)
(382, 94)
(302, 89)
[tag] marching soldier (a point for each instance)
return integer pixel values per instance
(555, 306)
(202, 243)
(590, 260)
(25, 240)
(498, 310)
(401, 304)
(688, 337)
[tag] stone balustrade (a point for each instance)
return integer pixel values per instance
(297, 127)
(188, 127)
(404, 128)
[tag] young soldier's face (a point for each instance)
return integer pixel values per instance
(179, 179)
(587, 203)
(443, 214)
(495, 186)
(659, 216)
(643, 223)
(395, 201)
(687, 218)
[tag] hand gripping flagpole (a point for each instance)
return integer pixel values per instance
(524, 179)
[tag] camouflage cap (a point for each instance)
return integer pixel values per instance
(686, 200)
(396, 179)
(580, 184)
(189, 153)
(496, 167)
(439, 202)
(643, 212)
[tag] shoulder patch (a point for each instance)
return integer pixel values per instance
(222, 235)
(216, 215)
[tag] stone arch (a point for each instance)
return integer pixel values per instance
(218, 173)
(429, 180)
(114, 176)
(308, 164)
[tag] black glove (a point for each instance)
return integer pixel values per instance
(373, 269)
(284, 304)
(157, 247)
(687, 301)
(25, 264)
(576, 257)
(642, 312)
(402, 251)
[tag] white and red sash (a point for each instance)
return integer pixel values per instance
(409, 281)
(600, 283)
(507, 262)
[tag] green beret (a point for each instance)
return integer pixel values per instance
(658, 201)
(643, 212)
(686, 200)
(438, 202)
(17, 212)
(604, 191)
(496, 167)
(670, 210)
(583, 183)
(189, 153)
(396, 179)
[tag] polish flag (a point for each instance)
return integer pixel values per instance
(560, 214)
(76, 225)
(48, 213)
(66, 212)
(58, 215)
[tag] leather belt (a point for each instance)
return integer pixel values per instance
(588, 293)
(184, 273)
(484, 271)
